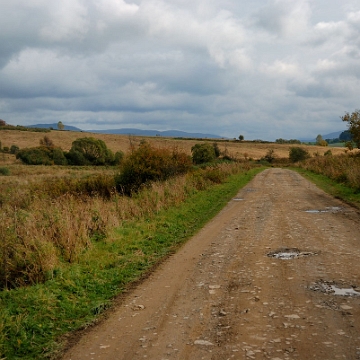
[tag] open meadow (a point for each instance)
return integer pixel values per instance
(238, 149)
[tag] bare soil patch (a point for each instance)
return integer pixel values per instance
(222, 297)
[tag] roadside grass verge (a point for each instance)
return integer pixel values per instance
(349, 195)
(34, 319)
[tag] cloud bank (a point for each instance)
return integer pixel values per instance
(264, 69)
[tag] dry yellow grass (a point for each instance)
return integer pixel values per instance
(64, 140)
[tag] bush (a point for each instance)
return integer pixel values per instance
(90, 151)
(298, 154)
(42, 156)
(14, 149)
(203, 153)
(270, 156)
(148, 164)
(4, 171)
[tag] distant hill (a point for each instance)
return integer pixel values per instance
(138, 132)
(54, 126)
(167, 133)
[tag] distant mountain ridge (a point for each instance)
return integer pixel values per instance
(138, 132)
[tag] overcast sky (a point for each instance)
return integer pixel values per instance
(263, 69)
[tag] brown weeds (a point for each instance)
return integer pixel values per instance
(41, 230)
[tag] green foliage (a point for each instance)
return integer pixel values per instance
(284, 141)
(328, 153)
(90, 151)
(22, 128)
(203, 153)
(4, 171)
(147, 164)
(42, 155)
(216, 149)
(353, 121)
(241, 137)
(6, 149)
(298, 154)
(118, 158)
(14, 149)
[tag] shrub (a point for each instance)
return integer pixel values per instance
(298, 154)
(6, 149)
(14, 149)
(4, 171)
(203, 153)
(216, 149)
(270, 156)
(42, 156)
(148, 164)
(90, 151)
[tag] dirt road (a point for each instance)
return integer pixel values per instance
(223, 297)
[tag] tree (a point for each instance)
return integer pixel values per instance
(353, 121)
(60, 125)
(2, 122)
(320, 141)
(241, 137)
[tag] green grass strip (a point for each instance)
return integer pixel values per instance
(338, 190)
(33, 319)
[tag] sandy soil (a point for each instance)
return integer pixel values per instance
(223, 297)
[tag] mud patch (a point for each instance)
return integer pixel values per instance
(333, 209)
(332, 288)
(290, 253)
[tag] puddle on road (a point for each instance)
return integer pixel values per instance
(332, 209)
(290, 253)
(333, 289)
(238, 199)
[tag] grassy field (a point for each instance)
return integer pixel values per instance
(64, 139)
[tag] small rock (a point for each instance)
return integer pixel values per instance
(138, 307)
(292, 316)
(222, 312)
(346, 307)
(214, 286)
(203, 342)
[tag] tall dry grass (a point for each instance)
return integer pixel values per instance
(42, 226)
(341, 168)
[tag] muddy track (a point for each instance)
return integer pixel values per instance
(234, 291)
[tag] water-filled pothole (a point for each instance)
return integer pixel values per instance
(290, 253)
(333, 289)
(332, 209)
